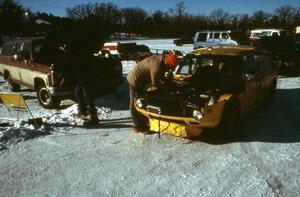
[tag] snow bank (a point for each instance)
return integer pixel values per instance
(161, 44)
(22, 130)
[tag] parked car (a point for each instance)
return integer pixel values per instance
(258, 33)
(212, 38)
(37, 63)
(183, 40)
(125, 51)
(212, 88)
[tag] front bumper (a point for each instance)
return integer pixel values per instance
(185, 127)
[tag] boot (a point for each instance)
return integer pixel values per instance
(82, 113)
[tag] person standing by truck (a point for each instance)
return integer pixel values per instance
(81, 41)
(150, 71)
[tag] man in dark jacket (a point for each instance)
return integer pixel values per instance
(82, 40)
(150, 71)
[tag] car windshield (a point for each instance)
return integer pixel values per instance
(190, 65)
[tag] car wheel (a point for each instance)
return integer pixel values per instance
(13, 86)
(46, 99)
(230, 121)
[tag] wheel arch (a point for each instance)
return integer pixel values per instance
(38, 82)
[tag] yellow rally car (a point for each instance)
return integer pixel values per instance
(211, 88)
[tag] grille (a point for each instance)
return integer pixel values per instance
(153, 109)
(166, 107)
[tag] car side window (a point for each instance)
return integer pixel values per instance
(225, 36)
(202, 37)
(26, 51)
(36, 50)
(216, 35)
(187, 66)
(22, 50)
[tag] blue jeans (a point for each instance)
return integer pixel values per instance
(138, 120)
(84, 98)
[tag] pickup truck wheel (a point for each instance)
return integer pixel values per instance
(13, 86)
(46, 99)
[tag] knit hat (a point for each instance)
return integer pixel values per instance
(171, 60)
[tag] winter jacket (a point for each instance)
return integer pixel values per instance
(148, 71)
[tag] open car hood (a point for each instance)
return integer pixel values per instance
(178, 98)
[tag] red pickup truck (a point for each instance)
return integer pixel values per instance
(36, 64)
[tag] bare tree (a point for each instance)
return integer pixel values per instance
(160, 22)
(285, 14)
(179, 13)
(107, 12)
(134, 19)
(219, 18)
(11, 16)
(180, 9)
(260, 19)
(81, 11)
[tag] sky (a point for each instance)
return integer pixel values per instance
(196, 7)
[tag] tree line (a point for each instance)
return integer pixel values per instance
(16, 20)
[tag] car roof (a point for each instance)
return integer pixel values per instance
(227, 50)
(213, 31)
(261, 30)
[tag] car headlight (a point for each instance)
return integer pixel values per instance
(139, 103)
(197, 115)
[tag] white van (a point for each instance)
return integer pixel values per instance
(212, 38)
(258, 33)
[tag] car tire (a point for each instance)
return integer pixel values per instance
(46, 99)
(230, 121)
(13, 86)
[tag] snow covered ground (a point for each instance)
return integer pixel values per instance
(62, 158)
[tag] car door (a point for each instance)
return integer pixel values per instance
(263, 78)
(248, 97)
